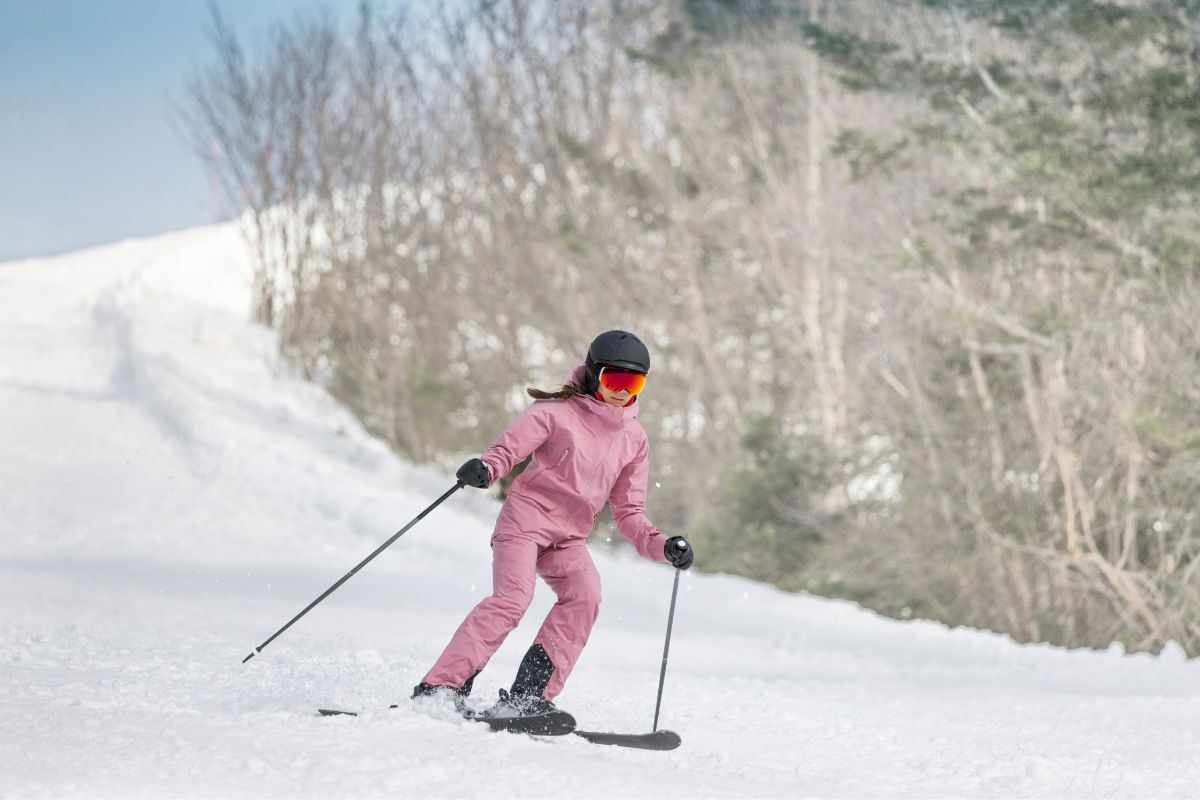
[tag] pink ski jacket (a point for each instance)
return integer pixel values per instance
(585, 452)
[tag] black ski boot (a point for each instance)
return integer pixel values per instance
(458, 694)
(519, 705)
(525, 698)
(533, 676)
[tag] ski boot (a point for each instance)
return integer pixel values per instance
(524, 708)
(456, 694)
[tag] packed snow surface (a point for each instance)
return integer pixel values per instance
(171, 493)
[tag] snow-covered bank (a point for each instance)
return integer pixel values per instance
(170, 494)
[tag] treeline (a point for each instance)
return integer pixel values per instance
(919, 277)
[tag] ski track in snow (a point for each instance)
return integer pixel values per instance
(170, 494)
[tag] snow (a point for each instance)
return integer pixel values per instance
(171, 493)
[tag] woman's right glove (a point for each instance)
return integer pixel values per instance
(678, 552)
(474, 473)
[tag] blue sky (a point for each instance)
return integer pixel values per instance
(88, 153)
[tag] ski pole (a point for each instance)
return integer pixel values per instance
(662, 675)
(350, 574)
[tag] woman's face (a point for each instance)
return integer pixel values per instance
(620, 398)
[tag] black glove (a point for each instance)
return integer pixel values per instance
(678, 552)
(474, 473)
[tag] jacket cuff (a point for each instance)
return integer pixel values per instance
(657, 545)
(491, 469)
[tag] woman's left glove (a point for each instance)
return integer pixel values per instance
(474, 473)
(678, 552)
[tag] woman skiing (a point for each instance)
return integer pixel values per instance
(588, 448)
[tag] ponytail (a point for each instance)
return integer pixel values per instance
(568, 390)
(582, 383)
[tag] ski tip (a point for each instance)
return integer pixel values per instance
(669, 739)
(335, 712)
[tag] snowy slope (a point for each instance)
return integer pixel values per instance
(170, 494)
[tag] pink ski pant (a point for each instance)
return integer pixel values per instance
(569, 571)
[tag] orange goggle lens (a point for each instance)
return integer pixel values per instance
(619, 380)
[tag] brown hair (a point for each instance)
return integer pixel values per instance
(568, 390)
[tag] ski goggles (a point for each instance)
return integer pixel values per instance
(622, 380)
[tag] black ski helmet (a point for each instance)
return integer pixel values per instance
(614, 349)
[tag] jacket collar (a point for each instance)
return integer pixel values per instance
(613, 415)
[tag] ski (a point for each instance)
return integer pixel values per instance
(659, 740)
(556, 723)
